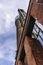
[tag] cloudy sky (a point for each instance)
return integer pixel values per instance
(8, 12)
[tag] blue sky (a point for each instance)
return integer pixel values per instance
(8, 12)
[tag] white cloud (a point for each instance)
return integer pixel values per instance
(8, 21)
(1, 54)
(8, 12)
(9, 8)
(1, 6)
(8, 50)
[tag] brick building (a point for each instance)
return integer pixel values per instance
(29, 48)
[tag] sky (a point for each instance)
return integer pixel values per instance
(8, 43)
